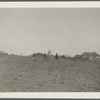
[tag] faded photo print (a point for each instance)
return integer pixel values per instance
(49, 49)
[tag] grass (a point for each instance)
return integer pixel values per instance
(36, 74)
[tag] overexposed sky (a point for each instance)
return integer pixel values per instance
(64, 30)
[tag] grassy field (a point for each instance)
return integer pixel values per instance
(36, 74)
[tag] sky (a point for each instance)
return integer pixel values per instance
(62, 30)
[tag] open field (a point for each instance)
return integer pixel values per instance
(36, 74)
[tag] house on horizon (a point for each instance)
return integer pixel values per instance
(90, 55)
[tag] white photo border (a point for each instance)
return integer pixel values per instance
(67, 4)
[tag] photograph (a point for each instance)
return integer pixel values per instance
(50, 49)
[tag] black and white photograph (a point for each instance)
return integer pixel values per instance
(50, 50)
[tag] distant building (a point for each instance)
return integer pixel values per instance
(90, 55)
(49, 53)
(78, 57)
